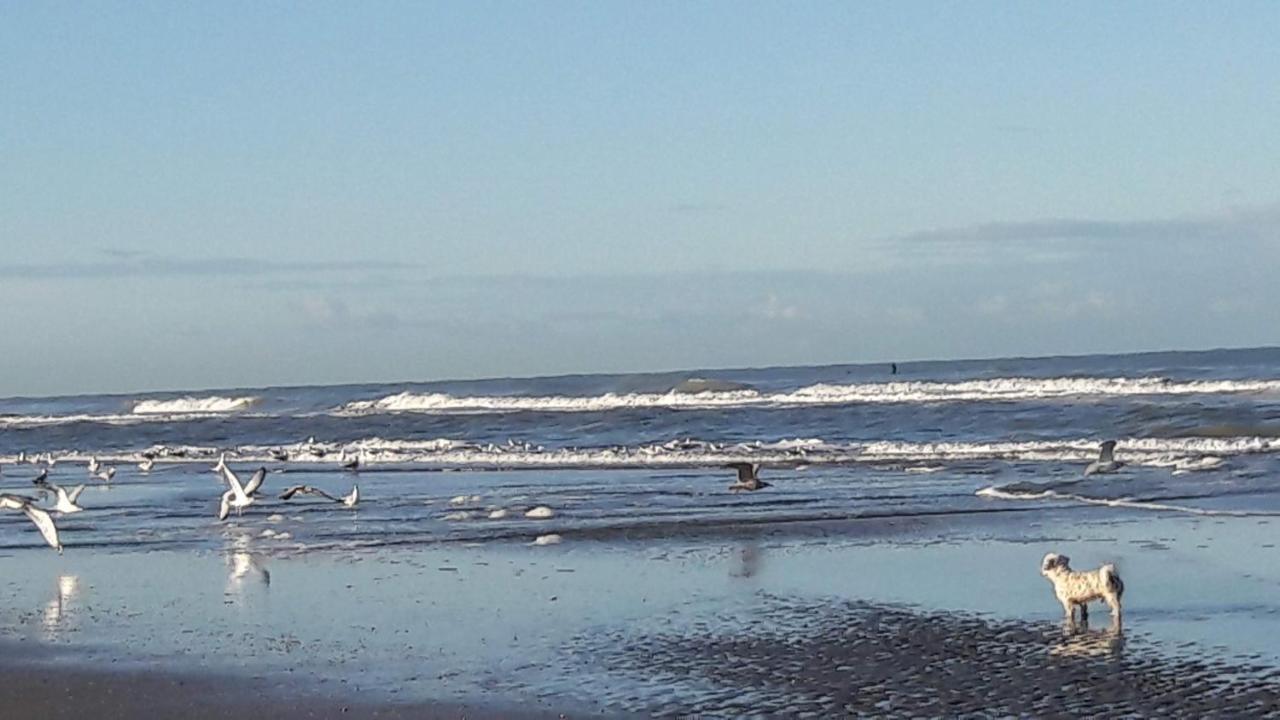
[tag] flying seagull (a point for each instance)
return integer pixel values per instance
(748, 477)
(1106, 462)
(146, 465)
(94, 465)
(106, 475)
(66, 503)
(349, 500)
(239, 496)
(41, 518)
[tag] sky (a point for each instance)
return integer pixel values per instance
(202, 195)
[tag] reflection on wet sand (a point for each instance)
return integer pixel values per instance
(58, 611)
(244, 568)
(1078, 640)
(748, 561)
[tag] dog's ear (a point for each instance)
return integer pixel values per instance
(1063, 561)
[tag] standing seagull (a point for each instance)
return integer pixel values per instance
(1106, 462)
(41, 518)
(94, 465)
(239, 496)
(748, 477)
(66, 503)
(353, 464)
(349, 499)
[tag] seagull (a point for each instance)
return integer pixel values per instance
(353, 464)
(106, 475)
(146, 465)
(279, 455)
(94, 465)
(748, 477)
(22, 457)
(41, 518)
(239, 496)
(350, 499)
(222, 463)
(41, 478)
(66, 503)
(1106, 462)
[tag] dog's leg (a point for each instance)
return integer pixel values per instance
(1116, 613)
(1084, 613)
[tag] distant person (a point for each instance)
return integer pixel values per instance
(893, 368)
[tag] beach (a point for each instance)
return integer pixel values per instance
(927, 616)
(571, 546)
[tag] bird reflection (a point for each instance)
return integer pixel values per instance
(57, 612)
(245, 568)
(748, 561)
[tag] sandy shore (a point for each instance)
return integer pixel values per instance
(75, 692)
(925, 616)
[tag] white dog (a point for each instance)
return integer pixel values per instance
(1077, 589)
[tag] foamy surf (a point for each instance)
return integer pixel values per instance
(1128, 503)
(193, 405)
(1178, 454)
(990, 390)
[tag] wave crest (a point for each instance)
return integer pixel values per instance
(193, 405)
(990, 390)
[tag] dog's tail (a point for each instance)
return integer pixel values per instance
(1112, 578)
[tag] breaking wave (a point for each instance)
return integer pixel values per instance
(991, 390)
(193, 405)
(1178, 455)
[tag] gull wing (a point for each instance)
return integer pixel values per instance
(255, 481)
(353, 498)
(224, 508)
(291, 491)
(11, 502)
(75, 494)
(45, 524)
(233, 481)
(1107, 453)
(746, 471)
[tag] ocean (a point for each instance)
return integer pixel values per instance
(642, 455)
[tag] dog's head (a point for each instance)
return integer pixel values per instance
(1054, 562)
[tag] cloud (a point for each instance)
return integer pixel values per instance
(121, 263)
(1245, 224)
(775, 309)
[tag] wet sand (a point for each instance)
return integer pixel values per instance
(834, 659)
(44, 693)
(926, 616)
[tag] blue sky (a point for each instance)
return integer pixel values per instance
(228, 194)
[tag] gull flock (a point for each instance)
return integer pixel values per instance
(239, 495)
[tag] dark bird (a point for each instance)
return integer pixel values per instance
(349, 500)
(748, 477)
(1106, 462)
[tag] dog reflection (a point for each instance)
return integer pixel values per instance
(1078, 640)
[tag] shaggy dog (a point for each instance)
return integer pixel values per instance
(1077, 589)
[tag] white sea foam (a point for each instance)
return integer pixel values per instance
(1130, 503)
(1182, 454)
(193, 405)
(990, 390)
